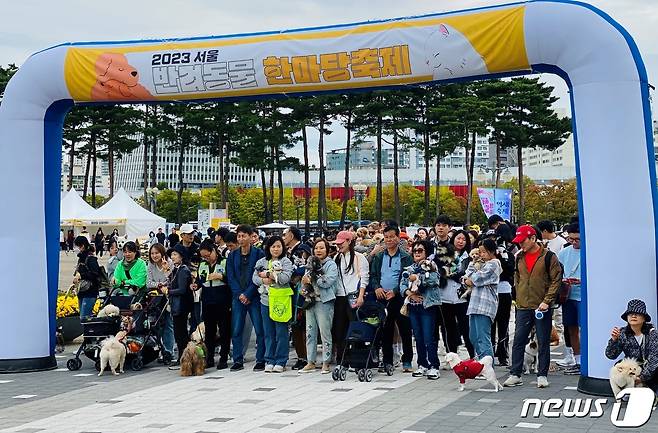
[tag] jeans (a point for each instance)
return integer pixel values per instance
(238, 314)
(480, 334)
(86, 306)
(343, 315)
(181, 333)
(423, 323)
(456, 326)
(319, 316)
(501, 324)
(276, 339)
(195, 316)
(525, 319)
(168, 332)
(404, 327)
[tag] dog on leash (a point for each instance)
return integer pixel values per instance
(193, 359)
(109, 311)
(113, 353)
(623, 375)
(530, 357)
(471, 368)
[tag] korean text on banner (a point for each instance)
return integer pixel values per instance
(496, 201)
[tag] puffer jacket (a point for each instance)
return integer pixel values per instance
(429, 285)
(533, 288)
(627, 344)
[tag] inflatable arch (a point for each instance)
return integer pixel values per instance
(595, 56)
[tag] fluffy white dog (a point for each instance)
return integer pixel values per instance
(471, 368)
(113, 353)
(109, 311)
(623, 375)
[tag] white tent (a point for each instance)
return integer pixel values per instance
(121, 210)
(74, 210)
(273, 226)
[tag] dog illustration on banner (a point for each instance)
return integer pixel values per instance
(449, 54)
(116, 79)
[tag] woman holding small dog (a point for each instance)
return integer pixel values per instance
(320, 316)
(638, 340)
(272, 276)
(423, 308)
(483, 305)
(181, 299)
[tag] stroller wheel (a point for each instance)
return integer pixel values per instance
(137, 364)
(335, 374)
(361, 374)
(74, 364)
(368, 375)
(342, 374)
(389, 370)
(97, 364)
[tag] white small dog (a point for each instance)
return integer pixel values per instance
(113, 353)
(109, 311)
(623, 375)
(471, 368)
(530, 357)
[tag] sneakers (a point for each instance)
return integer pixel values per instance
(422, 371)
(222, 364)
(237, 366)
(542, 382)
(568, 361)
(513, 381)
(325, 368)
(406, 367)
(269, 368)
(308, 368)
(433, 374)
(301, 363)
(573, 370)
(175, 365)
(260, 366)
(278, 369)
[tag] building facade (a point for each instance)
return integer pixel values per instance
(79, 168)
(200, 169)
(364, 156)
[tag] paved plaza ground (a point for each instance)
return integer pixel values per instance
(159, 400)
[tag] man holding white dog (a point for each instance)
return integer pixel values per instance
(537, 278)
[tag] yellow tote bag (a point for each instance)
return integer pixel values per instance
(280, 300)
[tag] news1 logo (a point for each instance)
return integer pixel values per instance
(638, 407)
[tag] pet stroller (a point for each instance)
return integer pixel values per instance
(144, 341)
(361, 350)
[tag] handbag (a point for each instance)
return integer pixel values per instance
(280, 304)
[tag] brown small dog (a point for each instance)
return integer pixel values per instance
(117, 80)
(193, 360)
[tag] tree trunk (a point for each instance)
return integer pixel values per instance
(227, 162)
(396, 184)
(145, 143)
(110, 166)
(426, 155)
(263, 184)
(279, 172)
(378, 198)
(86, 179)
(179, 196)
(346, 186)
(497, 163)
(71, 162)
(222, 191)
(93, 175)
(438, 186)
(322, 217)
(469, 171)
(520, 217)
(272, 169)
(307, 199)
(154, 161)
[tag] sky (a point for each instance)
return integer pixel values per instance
(32, 25)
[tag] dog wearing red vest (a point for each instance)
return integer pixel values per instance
(471, 368)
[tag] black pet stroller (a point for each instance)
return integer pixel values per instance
(361, 349)
(142, 341)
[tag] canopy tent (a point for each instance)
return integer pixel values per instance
(273, 226)
(74, 210)
(122, 211)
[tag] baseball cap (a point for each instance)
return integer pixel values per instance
(344, 236)
(523, 232)
(186, 229)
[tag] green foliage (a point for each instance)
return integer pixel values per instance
(5, 76)
(100, 200)
(167, 205)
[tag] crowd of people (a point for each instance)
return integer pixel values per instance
(443, 288)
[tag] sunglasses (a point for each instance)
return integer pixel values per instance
(419, 250)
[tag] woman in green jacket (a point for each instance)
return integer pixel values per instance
(130, 274)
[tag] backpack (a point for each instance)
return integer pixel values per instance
(103, 280)
(565, 288)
